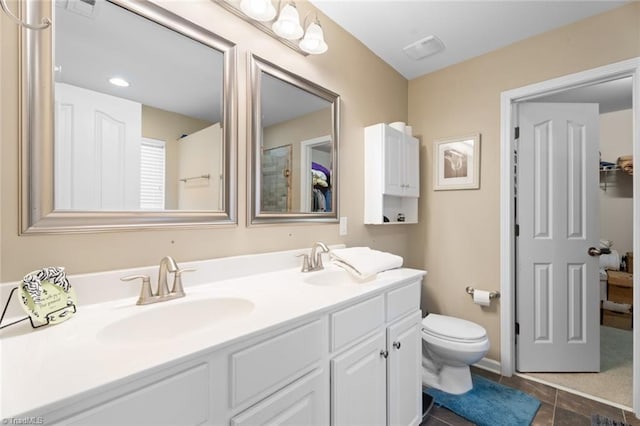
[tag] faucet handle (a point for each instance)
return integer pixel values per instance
(178, 290)
(305, 262)
(145, 290)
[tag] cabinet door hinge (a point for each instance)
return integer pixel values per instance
(516, 133)
(517, 230)
(517, 328)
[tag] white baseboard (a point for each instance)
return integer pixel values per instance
(489, 365)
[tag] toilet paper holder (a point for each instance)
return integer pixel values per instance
(492, 294)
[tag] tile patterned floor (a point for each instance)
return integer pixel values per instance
(559, 408)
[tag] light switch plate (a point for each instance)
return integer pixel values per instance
(343, 225)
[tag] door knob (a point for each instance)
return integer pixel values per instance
(396, 345)
(597, 252)
(384, 353)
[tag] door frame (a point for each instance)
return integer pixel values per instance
(305, 169)
(508, 116)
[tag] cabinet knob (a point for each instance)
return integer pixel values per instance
(396, 345)
(384, 353)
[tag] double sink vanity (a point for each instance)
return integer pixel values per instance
(254, 341)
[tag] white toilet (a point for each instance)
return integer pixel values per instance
(449, 346)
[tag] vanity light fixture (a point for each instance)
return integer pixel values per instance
(288, 25)
(313, 41)
(260, 10)
(120, 82)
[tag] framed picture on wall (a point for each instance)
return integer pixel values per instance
(456, 163)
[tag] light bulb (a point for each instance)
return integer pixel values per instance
(260, 10)
(313, 41)
(288, 23)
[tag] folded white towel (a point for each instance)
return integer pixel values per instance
(616, 307)
(364, 262)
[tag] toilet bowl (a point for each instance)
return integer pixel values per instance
(449, 346)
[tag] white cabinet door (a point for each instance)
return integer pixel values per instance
(302, 403)
(401, 163)
(358, 384)
(403, 371)
(411, 167)
(393, 169)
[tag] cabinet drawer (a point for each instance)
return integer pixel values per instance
(403, 300)
(304, 402)
(182, 398)
(356, 321)
(271, 364)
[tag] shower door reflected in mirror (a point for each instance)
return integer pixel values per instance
(289, 111)
(276, 179)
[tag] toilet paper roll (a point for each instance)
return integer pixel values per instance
(481, 297)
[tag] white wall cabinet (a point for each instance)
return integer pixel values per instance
(392, 175)
(358, 364)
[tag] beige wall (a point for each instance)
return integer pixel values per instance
(293, 132)
(371, 92)
(459, 237)
(616, 199)
(169, 127)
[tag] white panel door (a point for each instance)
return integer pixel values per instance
(557, 204)
(358, 389)
(97, 150)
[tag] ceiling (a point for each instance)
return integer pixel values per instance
(166, 70)
(467, 28)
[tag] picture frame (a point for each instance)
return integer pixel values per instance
(456, 163)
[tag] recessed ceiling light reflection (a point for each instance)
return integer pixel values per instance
(120, 82)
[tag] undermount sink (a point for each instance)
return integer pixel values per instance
(167, 320)
(333, 277)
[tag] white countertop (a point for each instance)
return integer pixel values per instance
(47, 365)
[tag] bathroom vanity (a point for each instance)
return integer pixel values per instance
(255, 341)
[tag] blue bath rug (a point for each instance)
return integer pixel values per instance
(489, 404)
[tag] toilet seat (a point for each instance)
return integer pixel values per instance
(453, 329)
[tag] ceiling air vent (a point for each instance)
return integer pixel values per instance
(425, 47)
(87, 8)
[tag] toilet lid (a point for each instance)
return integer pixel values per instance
(455, 329)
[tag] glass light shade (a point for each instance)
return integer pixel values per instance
(260, 10)
(313, 41)
(288, 23)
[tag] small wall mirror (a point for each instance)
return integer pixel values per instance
(294, 135)
(140, 128)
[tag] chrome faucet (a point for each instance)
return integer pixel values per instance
(313, 261)
(167, 265)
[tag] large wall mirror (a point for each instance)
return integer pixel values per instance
(294, 147)
(128, 119)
